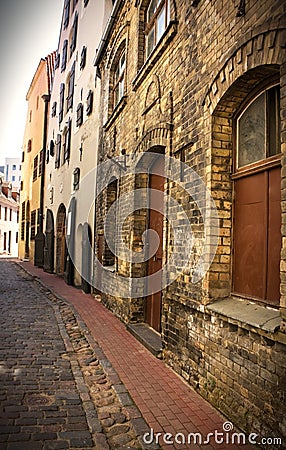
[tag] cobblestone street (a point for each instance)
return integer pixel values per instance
(58, 390)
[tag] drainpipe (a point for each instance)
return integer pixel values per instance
(40, 237)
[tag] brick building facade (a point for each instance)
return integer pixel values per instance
(203, 82)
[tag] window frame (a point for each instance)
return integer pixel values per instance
(268, 160)
(119, 79)
(71, 81)
(152, 23)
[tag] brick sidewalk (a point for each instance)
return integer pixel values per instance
(166, 402)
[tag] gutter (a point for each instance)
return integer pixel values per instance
(107, 30)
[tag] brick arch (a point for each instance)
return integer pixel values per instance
(264, 48)
(156, 137)
(222, 124)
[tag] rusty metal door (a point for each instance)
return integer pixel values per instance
(257, 236)
(154, 301)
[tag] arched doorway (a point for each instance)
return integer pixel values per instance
(61, 247)
(49, 243)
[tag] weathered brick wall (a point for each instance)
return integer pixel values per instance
(184, 99)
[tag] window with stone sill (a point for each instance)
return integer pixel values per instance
(89, 102)
(83, 58)
(54, 109)
(70, 83)
(64, 55)
(157, 28)
(67, 142)
(62, 100)
(58, 151)
(66, 13)
(35, 168)
(156, 22)
(79, 115)
(73, 35)
(33, 224)
(76, 178)
(119, 78)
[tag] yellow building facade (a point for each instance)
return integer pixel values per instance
(32, 156)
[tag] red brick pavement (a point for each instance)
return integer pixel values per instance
(166, 402)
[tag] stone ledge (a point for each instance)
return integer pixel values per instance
(148, 337)
(247, 312)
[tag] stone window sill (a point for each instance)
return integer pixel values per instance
(247, 312)
(109, 268)
(155, 55)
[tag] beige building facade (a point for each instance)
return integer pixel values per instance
(73, 142)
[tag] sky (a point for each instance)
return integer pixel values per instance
(29, 31)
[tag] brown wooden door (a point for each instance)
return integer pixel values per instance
(154, 301)
(257, 236)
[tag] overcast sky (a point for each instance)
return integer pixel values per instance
(29, 31)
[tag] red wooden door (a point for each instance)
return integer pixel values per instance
(154, 301)
(257, 236)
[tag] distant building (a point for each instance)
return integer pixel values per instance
(12, 171)
(9, 219)
(33, 156)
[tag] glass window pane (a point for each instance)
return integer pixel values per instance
(161, 25)
(151, 9)
(251, 133)
(150, 41)
(273, 95)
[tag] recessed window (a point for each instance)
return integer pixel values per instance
(40, 162)
(73, 35)
(83, 58)
(79, 115)
(71, 87)
(54, 109)
(89, 102)
(66, 13)
(258, 129)
(76, 177)
(33, 224)
(64, 55)
(157, 20)
(67, 142)
(62, 100)
(35, 168)
(57, 61)
(58, 151)
(119, 76)
(29, 146)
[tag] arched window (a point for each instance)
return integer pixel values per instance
(119, 77)
(257, 199)
(258, 129)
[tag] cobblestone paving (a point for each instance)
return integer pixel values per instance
(57, 389)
